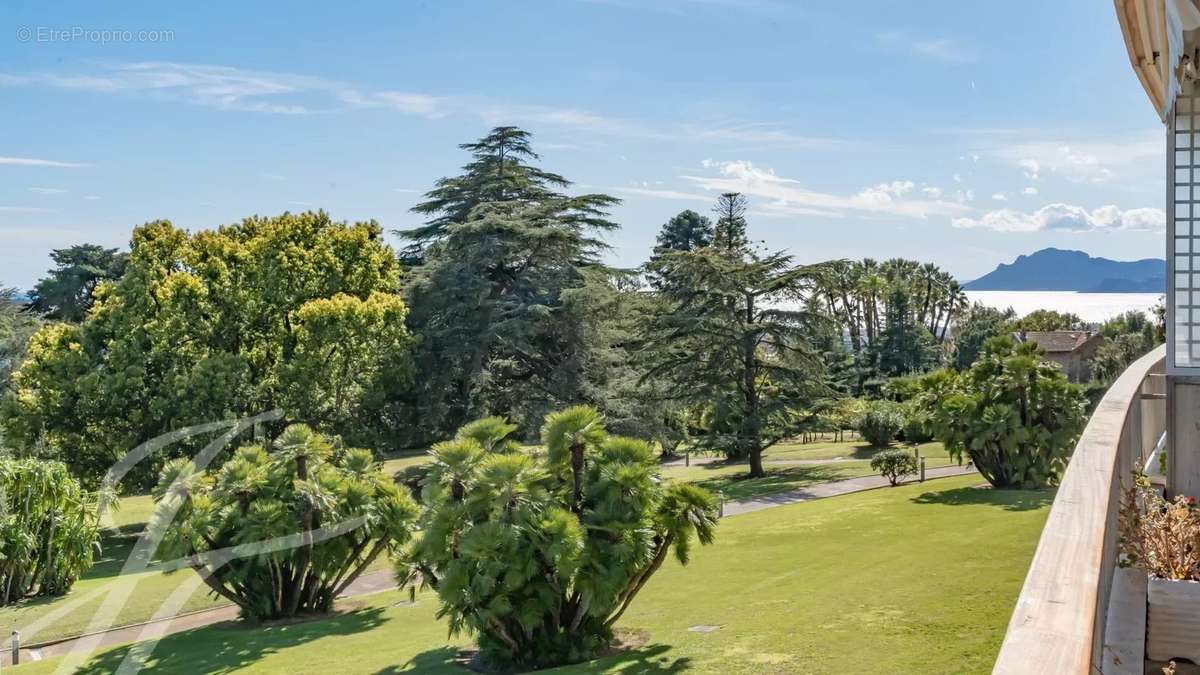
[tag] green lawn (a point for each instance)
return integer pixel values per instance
(146, 591)
(915, 579)
(856, 449)
(731, 480)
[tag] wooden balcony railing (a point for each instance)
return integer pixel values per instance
(1070, 616)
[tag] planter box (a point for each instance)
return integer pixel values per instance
(1173, 620)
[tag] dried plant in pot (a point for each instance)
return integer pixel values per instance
(1162, 537)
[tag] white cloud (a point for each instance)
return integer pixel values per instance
(1031, 166)
(1000, 196)
(1086, 162)
(406, 190)
(1031, 190)
(28, 161)
(230, 88)
(785, 195)
(932, 190)
(1069, 218)
(942, 49)
(239, 89)
(761, 133)
(47, 191)
(664, 194)
(23, 209)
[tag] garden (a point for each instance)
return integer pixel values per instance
(488, 450)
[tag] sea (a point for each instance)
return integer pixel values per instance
(1091, 307)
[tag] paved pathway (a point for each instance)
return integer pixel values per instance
(832, 489)
(709, 459)
(383, 580)
(370, 582)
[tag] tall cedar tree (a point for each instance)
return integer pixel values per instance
(497, 256)
(727, 343)
(66, 292)
(905, 346)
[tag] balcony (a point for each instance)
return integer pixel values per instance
(1078, 612)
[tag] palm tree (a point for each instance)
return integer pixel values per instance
(957, 302)
(929, 275)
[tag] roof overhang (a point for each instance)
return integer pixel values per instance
(1161, 37)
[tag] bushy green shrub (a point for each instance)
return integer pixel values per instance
(49, 529)
(917, 426)
(894, 464)
(282, 496)
(1013, 413)
(880, 423)
(539, 554)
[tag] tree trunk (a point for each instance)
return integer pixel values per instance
(577, 475)
(756, 463)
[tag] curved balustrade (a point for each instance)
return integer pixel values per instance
(1068, 600)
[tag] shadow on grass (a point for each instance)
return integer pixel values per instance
(778, 479)
(1009, 500)
(869, 451)
(231, 646)
(646, 660)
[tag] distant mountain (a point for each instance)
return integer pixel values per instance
(1054, 269)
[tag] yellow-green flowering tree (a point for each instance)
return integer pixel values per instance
(295, 312)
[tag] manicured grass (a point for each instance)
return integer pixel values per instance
(855, 449)
(399, 462)
(144, 593)
(915, 579)
(733, 483)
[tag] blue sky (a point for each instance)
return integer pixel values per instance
(961, 133)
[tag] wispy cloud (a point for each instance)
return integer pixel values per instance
(239, 89)
(787, 196)
(1067, 218)
(664, 194)
(229, 88)
(47, 191)
(945, 49)
(1084, 162)
(23, 209)
(29, 161)
(760, 132)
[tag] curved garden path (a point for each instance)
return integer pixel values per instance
(383, 580)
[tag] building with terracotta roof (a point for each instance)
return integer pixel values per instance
(1073, 350)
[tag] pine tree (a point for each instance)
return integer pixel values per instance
(498, 172)
(727, 345)
(686, 231)
(905, 346)
(497, 257)
(730, 231)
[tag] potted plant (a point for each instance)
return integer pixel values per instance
(1162, 537)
